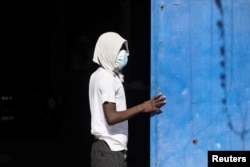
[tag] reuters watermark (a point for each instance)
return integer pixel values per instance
(228, 158)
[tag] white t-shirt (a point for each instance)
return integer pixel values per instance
(105, 87)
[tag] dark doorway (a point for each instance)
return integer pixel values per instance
(45, 118)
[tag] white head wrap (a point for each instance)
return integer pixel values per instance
(107, 48)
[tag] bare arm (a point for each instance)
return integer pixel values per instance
(113, 117)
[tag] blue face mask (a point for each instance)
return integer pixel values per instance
(122, 59)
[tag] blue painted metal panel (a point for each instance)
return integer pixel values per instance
(200, 59)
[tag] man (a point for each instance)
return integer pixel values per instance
(109, 113)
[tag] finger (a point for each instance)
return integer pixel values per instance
(161, 100)
(160, 104)
(158, 110)
(157, 96)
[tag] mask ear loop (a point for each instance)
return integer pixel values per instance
(117, 70)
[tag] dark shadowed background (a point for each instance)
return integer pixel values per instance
(45, 68)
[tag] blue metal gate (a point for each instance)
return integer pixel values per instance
(200, 59)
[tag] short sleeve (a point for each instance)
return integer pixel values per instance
(107, 89)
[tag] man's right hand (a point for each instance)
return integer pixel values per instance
(154, 104)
